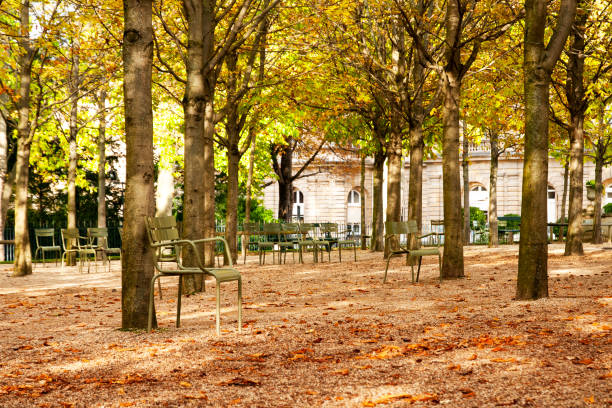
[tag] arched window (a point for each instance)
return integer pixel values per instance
(354, 198)
(479, 197)
(298, 205)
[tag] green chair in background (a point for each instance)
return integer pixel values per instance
(98, 240)
(73, 243)
(44, 237)
(397, 238)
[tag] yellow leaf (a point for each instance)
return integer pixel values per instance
(504, 360)
(185, 384)
(589, 400)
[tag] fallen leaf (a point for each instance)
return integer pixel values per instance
(342, 372)
(240, 381)
(590, 399)
(504, 360)
(584, 361)
(608, 375)
(185, 384)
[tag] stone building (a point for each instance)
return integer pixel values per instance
(332, 194)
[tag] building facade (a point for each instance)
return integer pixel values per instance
(333, 193)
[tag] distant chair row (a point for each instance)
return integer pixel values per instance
(96, 242)
(297, 237)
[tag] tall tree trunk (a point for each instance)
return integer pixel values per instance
(532, 281)
(285, 186)
(597, 238)
(23, 255)
(249, 187)
(137, 260)
(415, 182)
(452, 265)
(102, 160)
(72, 139)
(565, 189)
(377, 242)
(4, 182)
(493, 233)
(362, 173)
(575, 94)
(195, 104)
(465, 163)
(394, 181)
(231, 217)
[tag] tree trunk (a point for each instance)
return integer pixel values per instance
(195, 104)
(565, 190)
(539, 61)
(415, 183)
(23, 255)
(452, 265)
(137, 263)
(102, 160)
(575, 95)
(4, 181)
(597, 238)
(72, 140)
(493, 232)
(573, 244)
(249, 188)
(394, 181)
(466, 190)
(363, 201)
(231, 217)
(285, 186)
(377, 242)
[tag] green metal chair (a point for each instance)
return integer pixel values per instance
(250, 236)
(270, 238)
(42, 235)
(397, 238)
(73, 243)
(168, 250)
(334, 236)
(307, 241)
(98, 240)
(289, 238)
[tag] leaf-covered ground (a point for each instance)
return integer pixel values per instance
(318, 335)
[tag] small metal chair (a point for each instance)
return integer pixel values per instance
(44, 234)
(98, 240)
(168, 249)
(71, 242)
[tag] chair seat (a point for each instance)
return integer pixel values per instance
(225, 274)
(112, 250)
(424, 251)
(50, 248)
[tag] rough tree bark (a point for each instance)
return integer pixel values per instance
(73, 156)
(23, 256)
(465, 164)
(565, 187)
(137, 264)
(377, 242)
(577, 105)
(102, 159)
(539, 61)
(362, 196)
(493, 232)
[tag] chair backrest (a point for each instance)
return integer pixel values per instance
(251, 228)
(44, 233)
(306, 229)
(98, 236)
(70, 238)
(328, 230)
(398, 232)
(271, 231)
(162, 229)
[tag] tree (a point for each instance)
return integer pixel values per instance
(539, 61)
(137, 265)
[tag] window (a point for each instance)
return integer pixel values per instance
(298, 205)
(478, 188)
(354, 198)
(551, 193)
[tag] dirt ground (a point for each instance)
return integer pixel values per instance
(327, 334)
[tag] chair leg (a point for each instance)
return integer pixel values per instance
(178, 302)
(36, 253)
(440, 265)
(387, 268)
(218, 315)
(151, 297)
(355, 251)
(419, 270)
(160, 289)
(340, 252)
(43, 257)
(239, 305)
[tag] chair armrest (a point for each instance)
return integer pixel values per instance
(225, 246)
